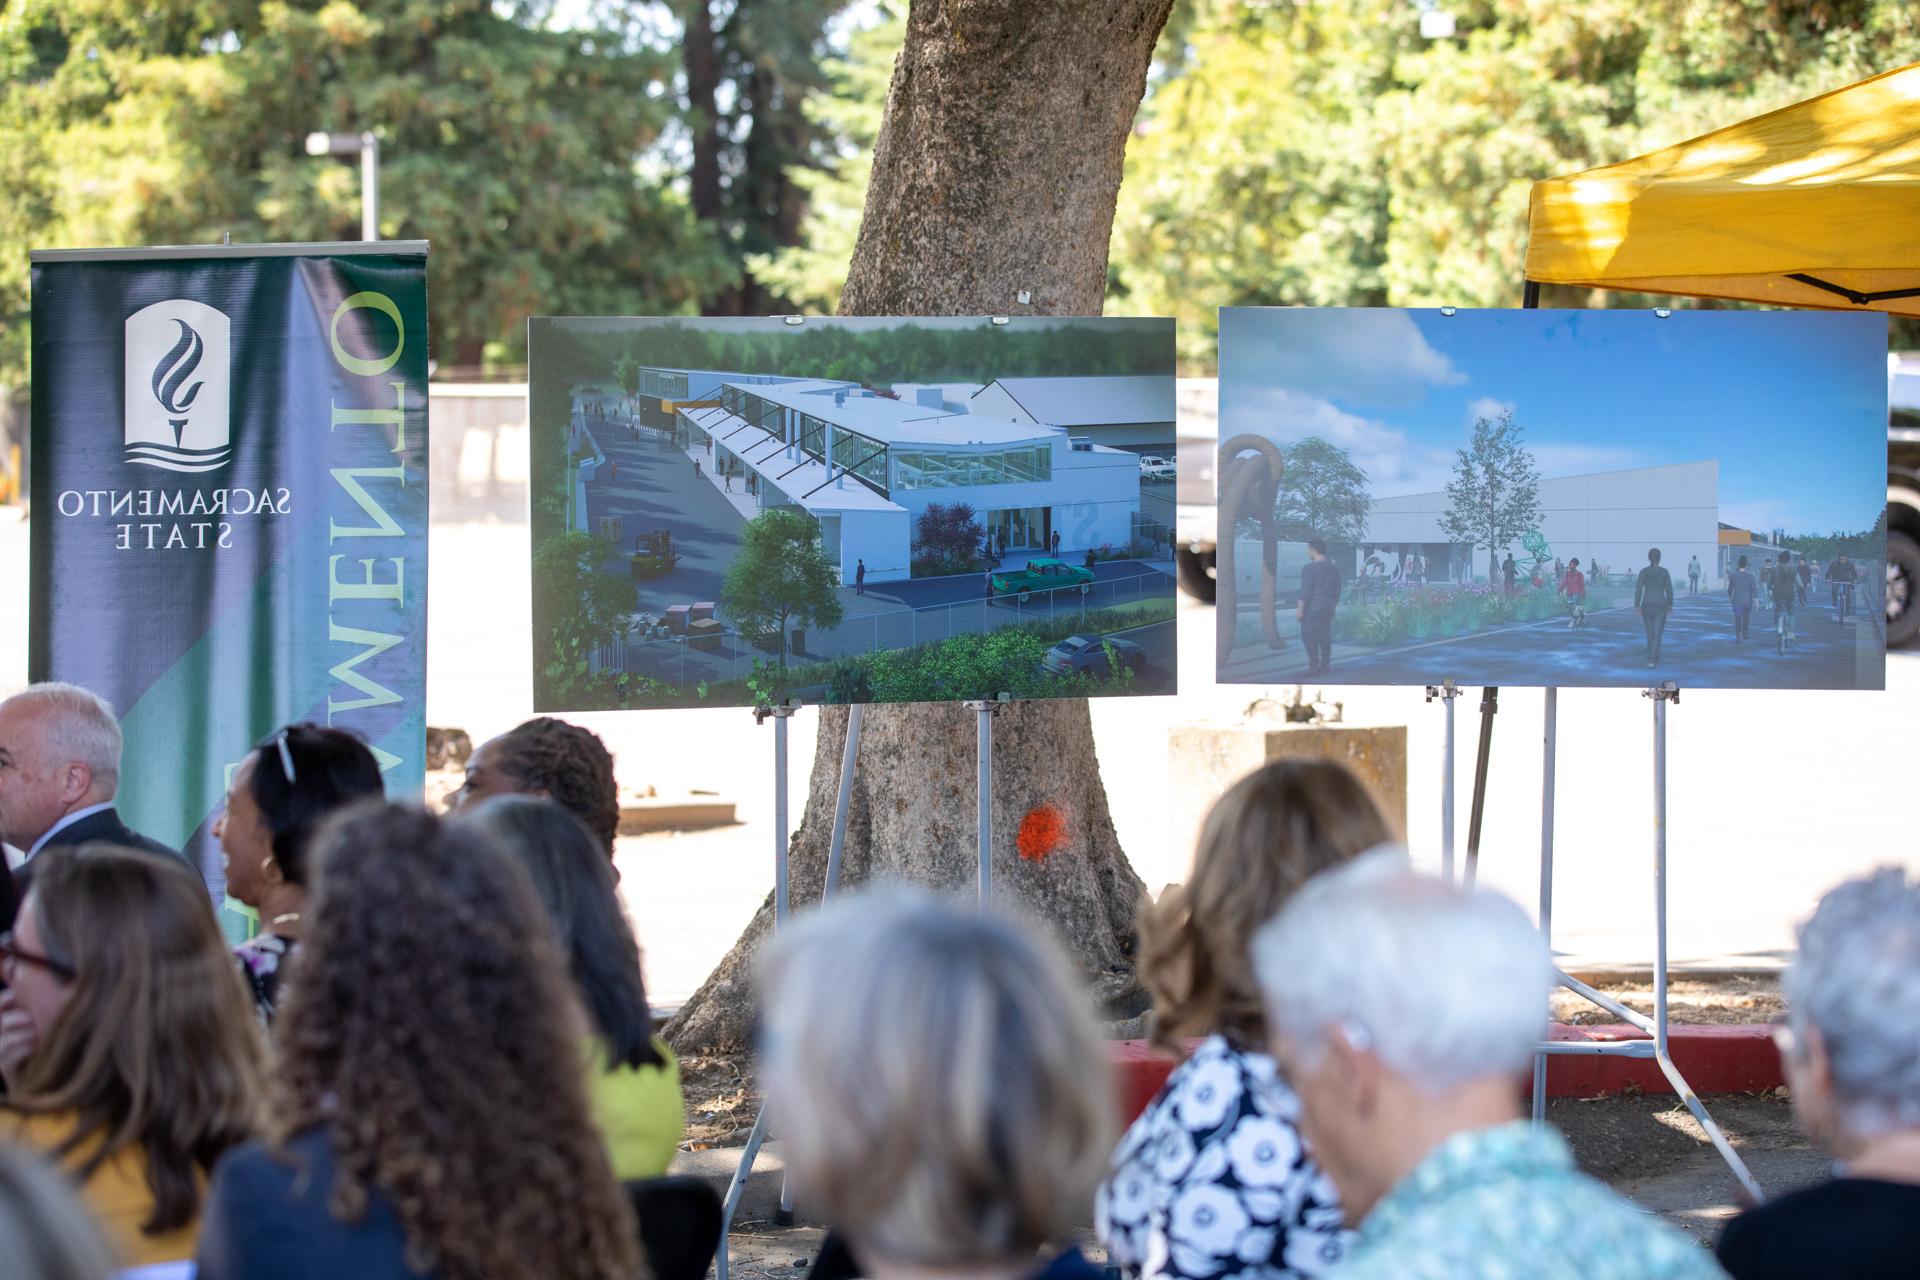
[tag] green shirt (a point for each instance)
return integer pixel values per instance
(639, 1111)
(1507, 1203)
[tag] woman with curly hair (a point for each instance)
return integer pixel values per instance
(428, 1115)
(633, 1081)
(129, 1047)
(552, 759)
(1212, 1179)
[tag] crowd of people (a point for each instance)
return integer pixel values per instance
(436, 1057)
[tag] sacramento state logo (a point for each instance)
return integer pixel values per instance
(179, 359)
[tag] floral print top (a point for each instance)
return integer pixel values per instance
(1213, 1181)
(263, 958)
(1507, 1203)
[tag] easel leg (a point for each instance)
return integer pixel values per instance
(1446, 691)
(738, 1186)
(1660, 698)
(1546, 879)
(1489, 707)
(984, 749)
(847, 757)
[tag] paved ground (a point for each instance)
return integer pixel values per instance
(1698, 650)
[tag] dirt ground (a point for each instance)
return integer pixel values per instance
(722, 1100)
(1648, 1149)
(1694, 1001)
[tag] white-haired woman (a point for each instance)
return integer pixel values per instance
(1851, 1048)
(941, 1088)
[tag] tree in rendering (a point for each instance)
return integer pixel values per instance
(947, 536)
(1322, 495)
(993, 191)
(1494, 495)
(578, 606)
(781, 575)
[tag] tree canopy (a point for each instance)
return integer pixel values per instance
(1328, 155)
(1494, 496)
(781, 575)
(1323, 494)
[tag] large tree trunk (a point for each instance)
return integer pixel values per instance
(996, 171)
(700, 55)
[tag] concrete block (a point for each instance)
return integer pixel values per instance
(1205, 759)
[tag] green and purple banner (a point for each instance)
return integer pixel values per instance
(230, 506)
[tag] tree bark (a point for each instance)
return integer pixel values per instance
(700, 55)
(997, 169)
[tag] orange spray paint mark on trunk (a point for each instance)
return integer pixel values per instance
(1043, 831)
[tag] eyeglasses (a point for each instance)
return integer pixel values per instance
(13, 953)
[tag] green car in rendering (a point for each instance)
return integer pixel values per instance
(1043, 573)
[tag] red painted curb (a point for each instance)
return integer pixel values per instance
(1734, 1058)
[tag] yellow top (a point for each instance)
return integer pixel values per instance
(1829, 188)
(117, 1193)
(639, 1111)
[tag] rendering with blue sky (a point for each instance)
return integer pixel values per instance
(1458, 464)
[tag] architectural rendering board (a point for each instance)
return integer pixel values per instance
(1553, 498)
(740, 512)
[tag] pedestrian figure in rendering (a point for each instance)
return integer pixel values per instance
(1653, 597)
(1742, 589)
(1766, 580)
(1574, 585)
(1786, 586)
(1693, 576)
(696, 468)
(1056, 542)
(1806, 579)
(860, 577)
(1319, 598)
(1507, 571)
(989, 578)
(1841, 575)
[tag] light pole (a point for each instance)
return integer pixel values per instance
(346, 144)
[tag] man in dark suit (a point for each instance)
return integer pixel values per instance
(59, 768)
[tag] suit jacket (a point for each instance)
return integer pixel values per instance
(104, 827)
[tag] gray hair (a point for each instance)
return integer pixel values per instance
(77, 726)
(47, 1231)
(1857, 980)
(1446, 985)
(938, 1077)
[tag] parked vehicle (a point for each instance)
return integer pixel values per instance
(1043, 573)
(1154, 467)
(1089, 653)
(1903, 499)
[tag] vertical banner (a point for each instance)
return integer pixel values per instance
(230, 518)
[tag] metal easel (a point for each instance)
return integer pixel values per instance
(984, 712)
(1656, 1026)
(736, 1189)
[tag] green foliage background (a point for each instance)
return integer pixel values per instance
(644, 163)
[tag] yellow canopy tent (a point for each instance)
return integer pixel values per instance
(1814, 205)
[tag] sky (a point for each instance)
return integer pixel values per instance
(1793, 405)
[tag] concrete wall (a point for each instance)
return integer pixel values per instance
(883, 538)
(477, 445)
(1614, 516)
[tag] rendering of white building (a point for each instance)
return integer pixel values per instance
(866, 466)
(1613, 517)
(1121, 412)
(663, 390)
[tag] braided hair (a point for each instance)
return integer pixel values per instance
(571, 765)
